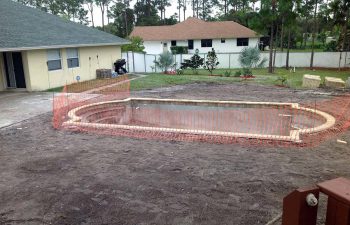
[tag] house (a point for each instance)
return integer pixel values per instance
(223, 36)
(39, 51)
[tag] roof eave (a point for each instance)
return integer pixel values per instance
(199, 38)
(62, 46)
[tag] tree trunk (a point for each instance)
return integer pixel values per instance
(341, 40)
(271, 50)
(193, 8)
(126, 24)
(179, 6)
(184, 8)
(301, 43)
(225, 7)
(313, 38)
(281, 44)
(164, 16)
(275, 50)
(197, 3)
(91, 10)
(203, 9)
(103, 16)
(271, 38)
(107, 7)
(288, 47)
(343, 35)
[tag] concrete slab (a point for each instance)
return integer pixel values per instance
(311, 81)
(334, 82)
(347, 83)
(18, 106)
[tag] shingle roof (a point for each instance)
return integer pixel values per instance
(23, 27)
(194, 28)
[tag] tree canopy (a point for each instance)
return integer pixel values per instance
(286, 24)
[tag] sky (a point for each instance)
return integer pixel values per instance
(169, 11)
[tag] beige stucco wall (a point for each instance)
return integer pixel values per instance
(90, 59)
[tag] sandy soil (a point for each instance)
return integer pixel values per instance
(59, 177)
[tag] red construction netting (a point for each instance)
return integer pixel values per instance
(105, 107)
(88, 92)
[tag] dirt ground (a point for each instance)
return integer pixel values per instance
(61, 177)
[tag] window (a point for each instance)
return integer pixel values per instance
(223, 40)
(173, 43)
(54, 59)
(242, 41)
(190, 44)
(72, 57)
(206, 43)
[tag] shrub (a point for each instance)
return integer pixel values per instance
(193, 63)
(249, 58)
(165, 61)
(247, 72)
(211, 62)
(282, 79)
(180, 72)
(179, 49)
(237, 73)
(227, 73)
(330, 46)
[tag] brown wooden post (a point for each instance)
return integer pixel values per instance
(338, 208)
(297, 211)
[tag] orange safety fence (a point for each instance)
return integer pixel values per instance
(105, 107)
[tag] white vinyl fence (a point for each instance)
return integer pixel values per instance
(144, 63)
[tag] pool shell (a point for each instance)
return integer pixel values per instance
(76, 118)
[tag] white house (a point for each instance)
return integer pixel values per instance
(223, 36)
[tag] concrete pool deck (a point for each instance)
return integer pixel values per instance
(18, 106)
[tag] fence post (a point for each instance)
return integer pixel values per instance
(155, 66)
(133, 62)
(346, 55)
(127, 59)
(144, 61)
(229, 60)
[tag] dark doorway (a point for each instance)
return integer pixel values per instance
(14, 70)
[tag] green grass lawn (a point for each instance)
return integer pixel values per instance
(294, 80)
(161, 80)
